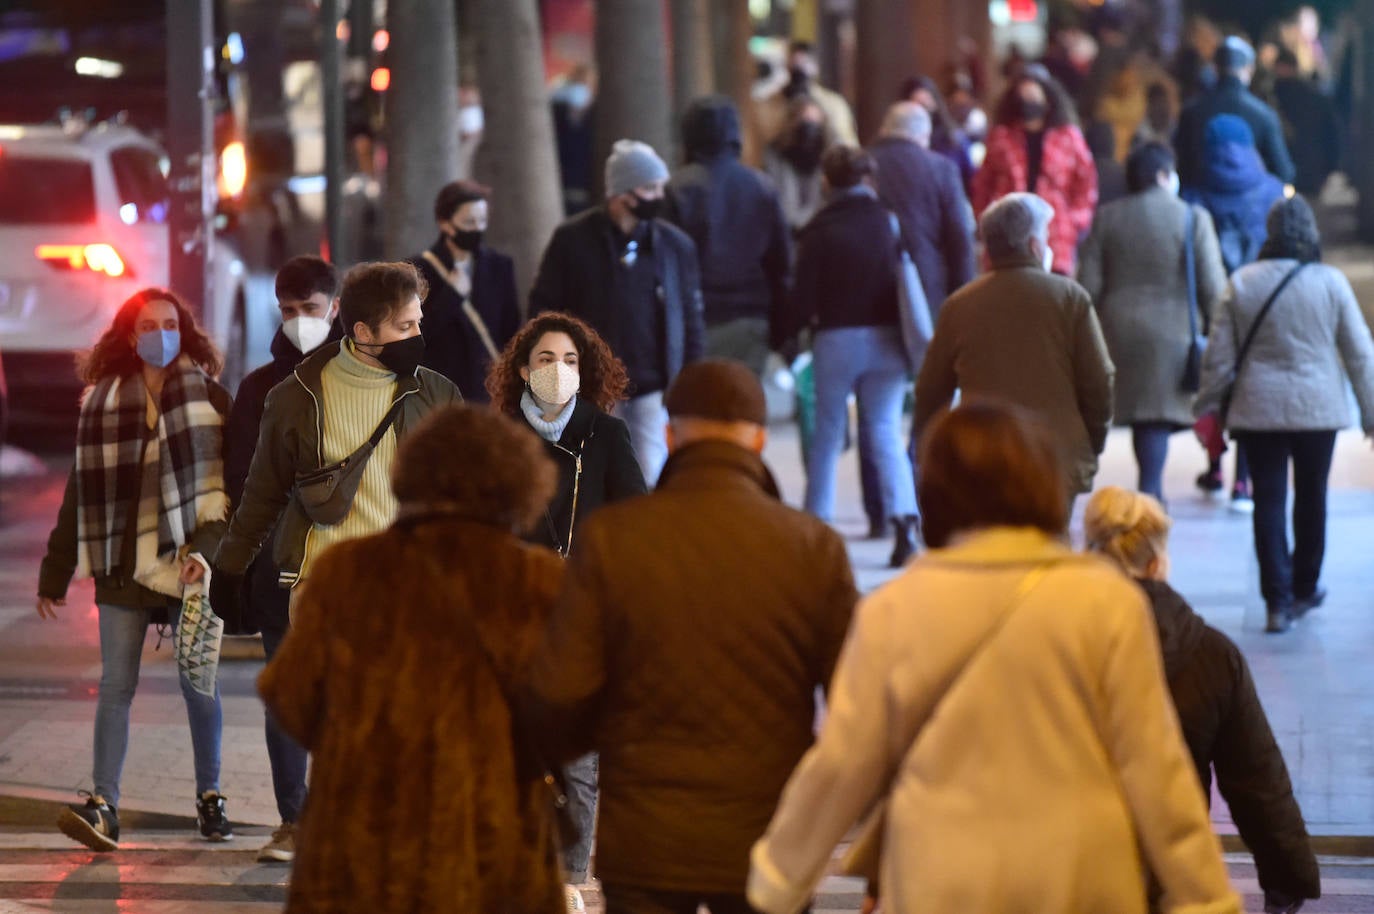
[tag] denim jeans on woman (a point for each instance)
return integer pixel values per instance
(122, 632)
(648, 422)
(871, 363)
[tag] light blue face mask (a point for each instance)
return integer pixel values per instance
(159, 347)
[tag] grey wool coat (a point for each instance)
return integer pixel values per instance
(1294, 378)
(1133, 266)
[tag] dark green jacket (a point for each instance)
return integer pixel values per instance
(288, 445)
(118, 588)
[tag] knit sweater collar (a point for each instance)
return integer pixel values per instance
(358, 372)
(534, 415)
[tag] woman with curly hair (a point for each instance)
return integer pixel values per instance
(144, 509)
(560, 377)
(396, 675)
(1037, 147)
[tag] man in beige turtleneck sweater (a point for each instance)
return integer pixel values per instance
(322, 413)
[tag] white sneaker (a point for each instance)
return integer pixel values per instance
(573, 898)
(1242, 504)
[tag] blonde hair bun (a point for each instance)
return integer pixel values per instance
(1129, 527)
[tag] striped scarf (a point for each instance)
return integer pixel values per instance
(172, 475)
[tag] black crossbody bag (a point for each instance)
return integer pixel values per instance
(326, 494)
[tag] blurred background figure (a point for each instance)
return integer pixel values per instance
(793, 161)
(772, 114)
(573, 120)
(1111, 176)
(1037, 147)
(732, 213)
(1134, 265)
(1223, 721)
(947, 138)
(1311, 124)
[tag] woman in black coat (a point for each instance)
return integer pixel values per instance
(1220, 714)
(560, 377)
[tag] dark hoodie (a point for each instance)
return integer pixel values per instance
(1236, 190)
(265, 603)
(1226, 730)
(732, 213)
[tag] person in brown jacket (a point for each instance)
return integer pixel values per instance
(695, 625)
(1027, 336)
(394, 676)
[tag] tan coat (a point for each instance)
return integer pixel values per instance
(1046, 775)
(413, 801)
(1025, 336)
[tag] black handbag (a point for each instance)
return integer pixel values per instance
(1197, 343)
(326, 494)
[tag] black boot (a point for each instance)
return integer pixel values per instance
(904, 547)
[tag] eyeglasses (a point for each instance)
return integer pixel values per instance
(631, 254)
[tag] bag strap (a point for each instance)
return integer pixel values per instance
(391, 416)
(898, 234)
(469, 310)
(1263, 313)
(1190, 268)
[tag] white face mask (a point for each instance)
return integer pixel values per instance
(1175, 184)
(1049, 259)
(555, 383)
(471, 120)
(306, 333)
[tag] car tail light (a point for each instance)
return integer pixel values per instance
(233, 169)
(98, 258)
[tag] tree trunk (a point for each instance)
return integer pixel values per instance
(734, 64)
(633, 101)
(693, 70)
(518, 157)
(886, 52)
(421, 119)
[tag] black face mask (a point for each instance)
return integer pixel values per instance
(466, 239)
(400, 356)
(804, 146)
(646, 210)
(1033, 111)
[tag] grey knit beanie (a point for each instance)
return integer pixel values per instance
(630, 165)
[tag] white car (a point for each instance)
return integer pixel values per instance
(83, 226)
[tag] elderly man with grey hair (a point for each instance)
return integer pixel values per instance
(925, 192)
(1027, 336)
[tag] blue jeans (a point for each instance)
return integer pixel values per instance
(648, 421)
(580, 775)
(870, 362)
(287, 757)
(1151, 442)
(122, 631)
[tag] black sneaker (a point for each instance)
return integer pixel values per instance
(95, 825)
(1304, 605)
(214, 825)
(1210, 481)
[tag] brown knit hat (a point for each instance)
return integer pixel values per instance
(721, 390)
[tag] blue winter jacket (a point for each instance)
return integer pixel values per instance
(1238, 192)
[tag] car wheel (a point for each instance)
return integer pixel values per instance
(236, 347)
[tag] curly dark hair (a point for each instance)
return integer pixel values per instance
(113, 354)
(603, 377)
(504, 479)
(1061, 113)
(944, 128)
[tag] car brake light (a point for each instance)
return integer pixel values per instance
(99, 258)
(233, 169)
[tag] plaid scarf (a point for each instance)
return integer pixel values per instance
(172, 475)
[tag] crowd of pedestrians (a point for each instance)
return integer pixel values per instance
(533, 599)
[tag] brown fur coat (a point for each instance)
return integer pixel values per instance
(414, 805)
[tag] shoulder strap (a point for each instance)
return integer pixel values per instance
(1263, 313)
(391, 415)
(469, 310)
(1190, 264)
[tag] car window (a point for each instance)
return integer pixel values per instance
(37, 191)
(141, 185)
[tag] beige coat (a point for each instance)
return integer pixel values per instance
(1031, 338)
(1044, 776)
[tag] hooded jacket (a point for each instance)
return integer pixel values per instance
(1236, 190)
(1229, 96)
(732, 213)
(1225, 728)
(264, 601)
